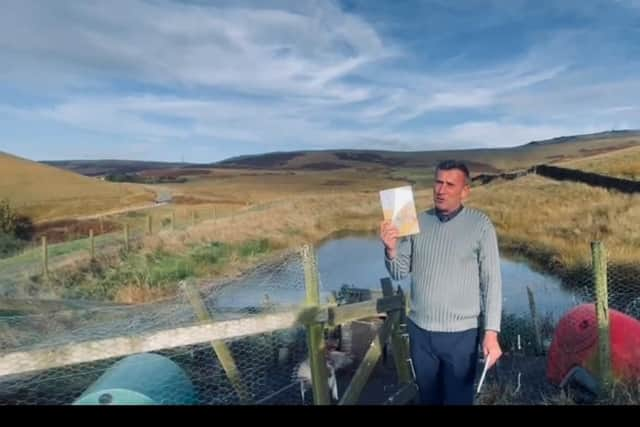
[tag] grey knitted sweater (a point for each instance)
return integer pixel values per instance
(455, 272)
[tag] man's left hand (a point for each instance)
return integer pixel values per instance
(491, 347)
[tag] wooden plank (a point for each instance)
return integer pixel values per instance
(349, 312)
(219, 347)
(34, 360)
(315, 331)
(352, 394)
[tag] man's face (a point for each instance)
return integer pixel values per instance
(449, 190)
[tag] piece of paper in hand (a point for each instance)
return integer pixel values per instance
(399, 207)
(484, 373)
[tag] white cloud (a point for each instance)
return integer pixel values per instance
(496, 134)
(577, 98)
(109, 117)
(294, 75)
(620, 109)
(629, 3)
(152, 117)
(172, 43)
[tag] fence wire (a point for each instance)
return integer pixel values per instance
(542, 348)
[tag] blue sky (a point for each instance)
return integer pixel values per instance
(206, 80)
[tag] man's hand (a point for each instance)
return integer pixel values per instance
(491, 347)
(389, 236)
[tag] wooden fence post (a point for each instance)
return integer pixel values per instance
(173, 220)
(45, 259)
(149, 226)
(362, 374)
(360, 378)
(536, 324)
(92, 246)
(315, 331)
(599, 261)
(400, 354)
(126, 237)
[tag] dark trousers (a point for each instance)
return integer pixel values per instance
(445, 365)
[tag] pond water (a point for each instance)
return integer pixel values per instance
(359, 262)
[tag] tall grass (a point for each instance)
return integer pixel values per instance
(556, 221)
(42, 192)
(223, 246)
(549, 222)
(620, 164)
(147, 275)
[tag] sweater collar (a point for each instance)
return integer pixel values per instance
(444, 217)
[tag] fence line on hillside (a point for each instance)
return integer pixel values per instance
(96, 244)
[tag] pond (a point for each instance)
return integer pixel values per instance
(359, 262)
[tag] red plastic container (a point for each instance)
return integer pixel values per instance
(575, 343)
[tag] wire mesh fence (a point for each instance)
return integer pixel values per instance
(22, 273)
(270, 367)
(542, 348)
(555, 358)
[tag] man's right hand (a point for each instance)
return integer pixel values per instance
(389, 236)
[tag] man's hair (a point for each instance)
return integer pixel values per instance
(447, 165)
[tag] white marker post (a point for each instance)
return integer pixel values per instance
(484, 373)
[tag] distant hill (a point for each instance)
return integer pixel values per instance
(479, 160)
(106, 167)
(46, 192)
(592, 136)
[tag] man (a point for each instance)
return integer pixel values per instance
(455, 275)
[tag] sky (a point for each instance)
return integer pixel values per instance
(202, 81)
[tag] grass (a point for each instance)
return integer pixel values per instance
(252, 233)
(554, 223)
(29, 184)
(422, 177)
(43, 192)
(620, 164)
(551, 223)
(150, 274)
(245, 187)
(19, 272)
(253, 248)
(213, 253)
(620, 394)
(520, 379)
